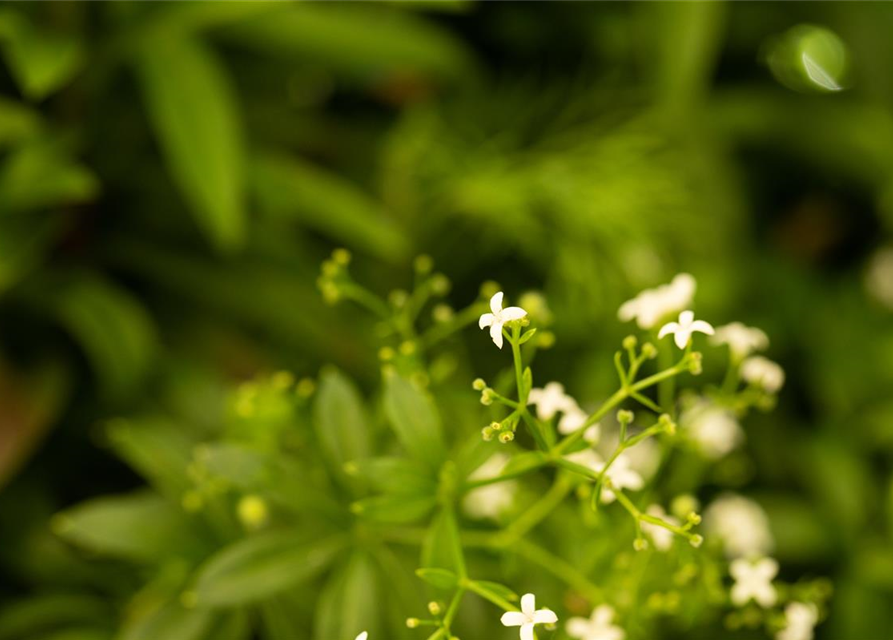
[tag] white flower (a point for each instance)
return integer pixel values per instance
(662, 537)
(652, 305)
(714, 429)
(741, 524)
(364, 635)
(800, 620)
(742, 340)
(597, 627)
(622, 476)
(753, 581)
(763, 372)
(528, 616)
(491, 500)
(644, 458)
(683, 329)
(499, 317)
(550, 400)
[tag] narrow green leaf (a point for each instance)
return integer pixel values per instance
(261, 566)
(395, 509)
(440, 578)
(17, 122)
(414, 418)
(498, 590)
(141, 526)
(442, 547)
(194, 113)
(350, 602)
(340, 419)
(29, 617)
(170, 621)
(399, 476)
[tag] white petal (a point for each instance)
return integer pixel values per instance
(527, 631)
(740, 594)
(682, 337)
(496, 333)
(765, 596)
(363, 635)
(670, 327)
(766, 568)
(578, 628)
(512, 313)
(513, 619)
(686, 317)
(486, 320)
(602, 615)
(628, 310)
(702, 326)
(739, 568)
(528, 604)
(496, 302)
(545, 616)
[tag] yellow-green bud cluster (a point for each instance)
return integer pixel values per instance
(332, 274)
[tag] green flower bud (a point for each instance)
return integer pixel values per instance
(440, 284)
(412, 623)
(253, 512)
(696, 540)
(434, 608)
(479, 384)
(506, 436)
(629, 342)
(423, 264)
(649, 351)
(640, 544)
(625, 416)
(684, 504)
(341, 256)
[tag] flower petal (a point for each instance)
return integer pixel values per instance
(682, 337)
(528, 604)
(702, 326)
(496, 333)
(513, 619)
(527, 631)
(766, 568)
(486, 320)
(512, 313)
(545, 616)
(578, 628)
(686, 317)
(496, 303)
(670, 327)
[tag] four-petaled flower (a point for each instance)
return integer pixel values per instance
(753, 581)
(499, 317)
(800, 620)
(742, 340)
(763, 372)
(528, 616)
(683, 329)
(597, 627)
(653, 305)
(550, 400)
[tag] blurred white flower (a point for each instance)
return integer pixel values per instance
(528, 616)
(683, 329)
(714, 429)
(653, 305)
(662, 537)
(364, 635)
(879, 277)
(742, 340)
(490, 501)
(596, 627)
(644, 458)
(763, 372)
(550, 400)
(622, 476)
(800, 620)
(753, 581)
(741, 525)
(499, 317)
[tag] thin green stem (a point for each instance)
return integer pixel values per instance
(538, 512)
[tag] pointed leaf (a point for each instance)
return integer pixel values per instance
(340, 420)
(414, 418)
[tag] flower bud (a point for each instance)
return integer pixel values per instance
(398, 298)
(487, 397)
(434, 608)
(640, 544)
(440, 284)
(412, 623)
(386, 354)
(625, 416)
(423, 264)
(253, 512)
(442, 313)
(682, 505)
(693, 518)
(629, 342)
(305, 387)
(407, 347)
(487, 433)
(479, 384)
(341, 257)
(506, 436)
(696, 540)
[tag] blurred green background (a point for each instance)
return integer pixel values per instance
(172, 174)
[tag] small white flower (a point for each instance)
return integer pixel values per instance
(683, 329)
(573, 418)
(662, 537)
(491, 500)
(763, 372)
(528, 616)
(741, 524)
(550, 400)
(364, 635)
(622, 476)
(800, 621)
(499, 317)
(742, 340)
(714, 429)
(753, 581)
(653, 305)
(596, 627)
(644, 458)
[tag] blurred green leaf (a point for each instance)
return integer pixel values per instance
(399, 476)
(27, 618)
(414, 418)
(41, 62)
(440, 578)
(498, 590)
(350, 602)
(86, 633)
(16, 122)
(280, 621)
(441, 541)
(365, 41)
(290, 188)
(112, 326)
(142, 527)
(521, 462)
(170, 621)
(395, 508)
(262, 565)
(340, 420)
(24, 241)
(195, 116)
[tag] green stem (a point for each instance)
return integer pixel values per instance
(472, 586)
(538, 512)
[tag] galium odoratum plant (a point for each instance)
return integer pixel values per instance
(314, 508)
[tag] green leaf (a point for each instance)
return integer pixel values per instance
(442, 547)
(498, 590)
(29, 617)
(414, 418)
(399, 476)
(280, 620)
(170, 621)
(340, 419)
(112, 327)
(194, 113)
(240, 466)
(289, 188)
(41, 62)
(350, 602)
(261, 566)
(141, 526)
(17, 122)
(24, 241)
(440, 578)
(395, 509)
